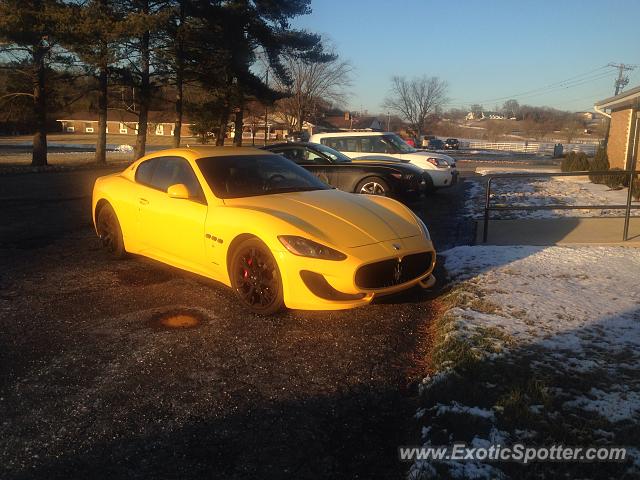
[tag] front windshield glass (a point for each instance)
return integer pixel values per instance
(251, 175)
(334, 155)
(400, 145)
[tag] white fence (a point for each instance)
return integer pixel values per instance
(528, 147)
(257, 135)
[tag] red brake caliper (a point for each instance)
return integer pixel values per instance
(245, 273)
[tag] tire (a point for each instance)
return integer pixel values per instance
(110, 233)
(373, 186)
(255, 277)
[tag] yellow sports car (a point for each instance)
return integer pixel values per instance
(264, 226)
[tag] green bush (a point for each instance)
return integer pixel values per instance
(600, 163)
(614, 181)
(635, 189)
(575, 162)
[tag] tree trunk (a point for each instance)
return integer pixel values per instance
(299, 119)
(239, 121)
(177, 130)
(222, 128)
(101, 145)
(39, 154)
(145, 97)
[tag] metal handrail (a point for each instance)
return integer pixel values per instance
(628, 207)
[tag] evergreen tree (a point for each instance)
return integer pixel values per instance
(28, 33)
(229, 36)
(92, 33)
(145, 24)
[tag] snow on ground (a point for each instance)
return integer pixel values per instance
(554, 191)
(581, 303)
(567, 315)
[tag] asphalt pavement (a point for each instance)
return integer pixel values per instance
(131, 369)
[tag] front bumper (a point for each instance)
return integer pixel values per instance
(312, 284)
(443, 178)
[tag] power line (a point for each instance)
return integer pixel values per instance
(551, 88)
(558, 83)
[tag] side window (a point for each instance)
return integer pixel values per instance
(316, 158)
(163, 172)
(374, 144)
(144, 171)
(352, 144)
(294, 154)
(330, 142)
(342, 144)
(185, 174)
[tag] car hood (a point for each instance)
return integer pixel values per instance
(339, 218)
(378, 159)
(419, 157)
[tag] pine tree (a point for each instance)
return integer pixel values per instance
(230, 34)
(29, 30)
(92, 33)
(145, 24)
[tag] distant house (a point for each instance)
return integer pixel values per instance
(348, 121)
(484, 115)
(623, 146)
(123, 122)
(586, 116)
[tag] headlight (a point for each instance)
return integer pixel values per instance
(424, 228)
(438, 162)
(308, 248)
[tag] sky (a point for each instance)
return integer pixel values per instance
(539, 52)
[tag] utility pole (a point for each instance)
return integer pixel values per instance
(622, 79)
(266, 107)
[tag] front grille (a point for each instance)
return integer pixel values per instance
(388, 273)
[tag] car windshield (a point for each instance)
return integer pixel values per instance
(399, 144)
(251, 175)
(334, 155)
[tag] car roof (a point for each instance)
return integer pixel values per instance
(350, 134)
(201, 151)
(292, 144)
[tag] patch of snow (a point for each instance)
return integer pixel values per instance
(613, 405)
(463, 409)
(538, 192)
(123, 148)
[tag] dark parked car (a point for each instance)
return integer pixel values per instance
(451, 144)
(377, 176)
(435, 144)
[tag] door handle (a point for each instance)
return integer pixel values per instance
(143, 201)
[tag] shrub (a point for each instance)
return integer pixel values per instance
(575, 162)
(635, 189)
(600, 163)
(614, 181)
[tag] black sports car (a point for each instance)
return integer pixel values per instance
(375, 177)
(451, 144)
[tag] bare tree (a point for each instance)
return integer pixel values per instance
(416, 99)
(313, 83)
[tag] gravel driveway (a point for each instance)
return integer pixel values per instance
(95, 382)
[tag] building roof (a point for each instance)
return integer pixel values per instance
(339, 121)
(628, 97)
(118, 115)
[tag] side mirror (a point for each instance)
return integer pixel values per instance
(179, 190)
